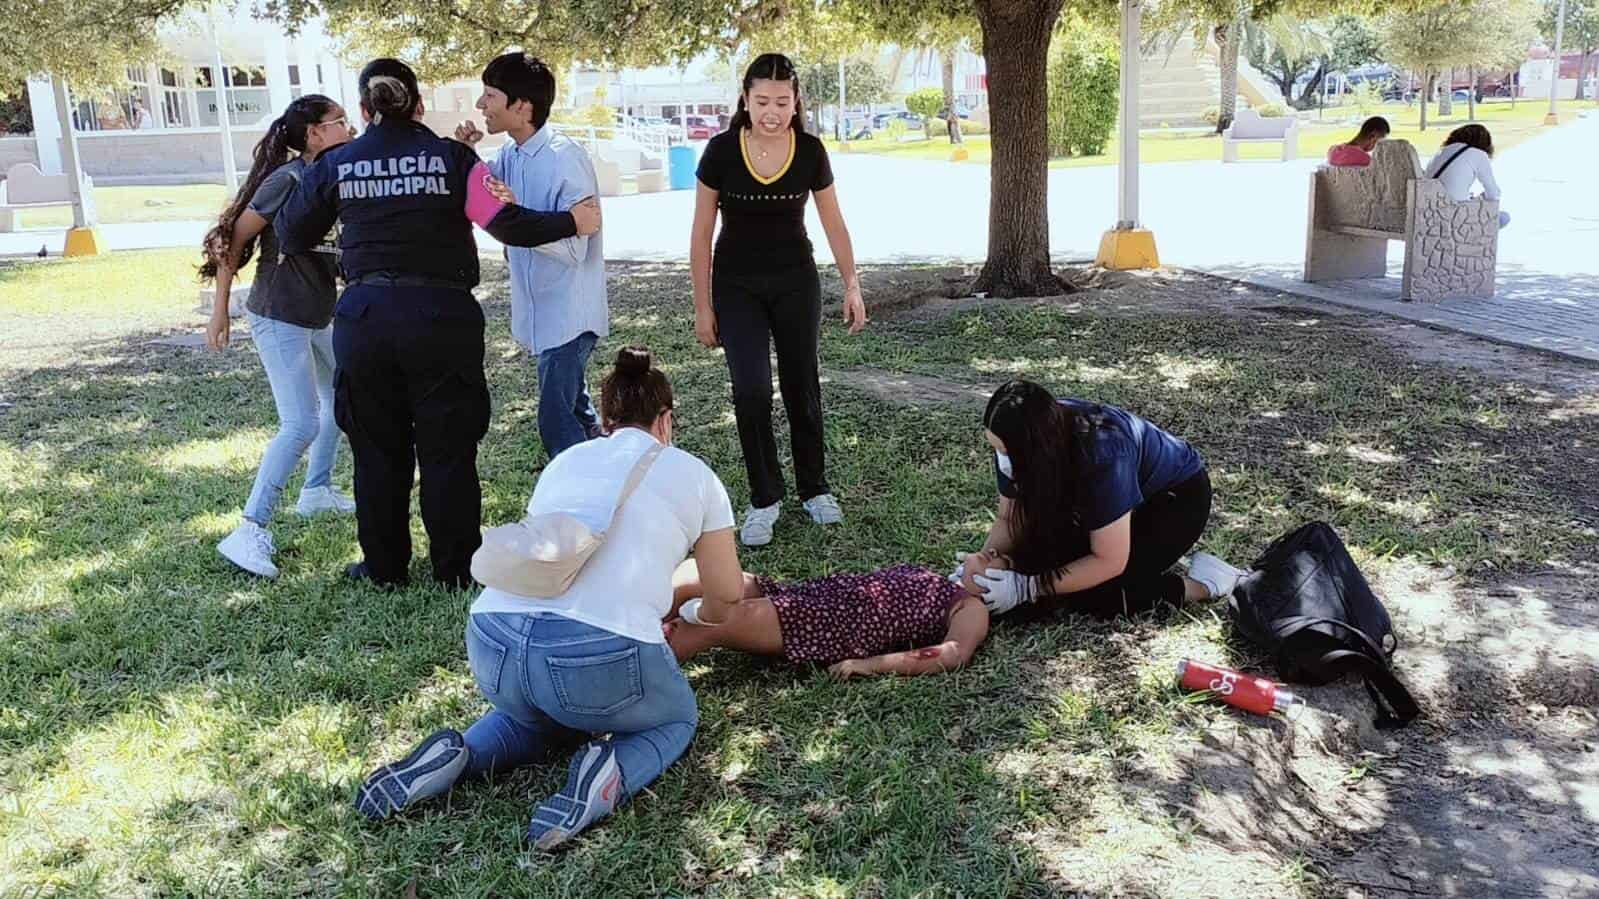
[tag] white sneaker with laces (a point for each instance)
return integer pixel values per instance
(250, 547)
(1217, 576)
(317, 500)
(824, 509)
(758, 524)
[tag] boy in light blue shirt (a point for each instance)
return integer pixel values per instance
(558, 299)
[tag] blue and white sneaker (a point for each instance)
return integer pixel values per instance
(593, 790)
(430, 770)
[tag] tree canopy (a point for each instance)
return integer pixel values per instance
(90, 42)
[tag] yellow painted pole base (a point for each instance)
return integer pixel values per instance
(843, 146)
(959, 154)
(1552, 118)
(1127, 250)
(82, 242)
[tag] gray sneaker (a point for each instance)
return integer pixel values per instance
(430, 770)
(1217, 576)
(593, 790)
(758, 524)
(824, 509)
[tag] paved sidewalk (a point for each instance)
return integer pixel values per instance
(1244, 221)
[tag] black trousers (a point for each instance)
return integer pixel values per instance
(754, 311)
(410, 393)
(1167, 525)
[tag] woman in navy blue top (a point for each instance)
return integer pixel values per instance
(1096, 504)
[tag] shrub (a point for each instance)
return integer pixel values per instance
(895, 129)
(1084, 84)
(1271, 110)
(927, 102)
(1211, 115)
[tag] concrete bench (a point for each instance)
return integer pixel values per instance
(608, 177)
(26, 187)
(1250, 128)
(1451, 249)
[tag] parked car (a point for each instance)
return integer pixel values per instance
(699, 127)
(881, 120)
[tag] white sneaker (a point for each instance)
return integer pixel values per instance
(758, 523)
(824, 509)
(1217, 576)
(317, 500)
(250, 547)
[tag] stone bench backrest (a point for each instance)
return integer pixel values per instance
(1250, 126)
(1371, 197)
(26, 184)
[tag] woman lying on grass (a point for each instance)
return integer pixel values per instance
(899, 620)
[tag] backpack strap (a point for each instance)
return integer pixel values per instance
(1288, 627)
(1395, 706)
(640, 469)
(1451, 161)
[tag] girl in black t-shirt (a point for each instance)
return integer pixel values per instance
(760, 283)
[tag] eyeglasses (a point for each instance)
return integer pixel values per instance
(341, 120)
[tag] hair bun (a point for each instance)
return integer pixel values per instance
(633, 361)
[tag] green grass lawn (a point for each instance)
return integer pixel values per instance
(153, 203)
(171, 727)
(1510, 126)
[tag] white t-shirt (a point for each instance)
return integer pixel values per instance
(626, 587)
(1473, 165)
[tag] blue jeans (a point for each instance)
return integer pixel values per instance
(299, 366)
(552, 679)
(566, 414)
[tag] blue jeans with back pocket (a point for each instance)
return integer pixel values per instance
(552, 679)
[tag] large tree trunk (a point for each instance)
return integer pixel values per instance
(1431, 82)
(1016, 48)
(1446, 96)
(952, 121)
(1471, 96)
(1227, 40)
(1582, 72)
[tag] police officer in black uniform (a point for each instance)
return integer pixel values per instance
(408, 334)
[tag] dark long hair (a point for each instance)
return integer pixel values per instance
(1472, 136)
(1043, 439)
(1376, 126)
(287, 132)
(772, 67)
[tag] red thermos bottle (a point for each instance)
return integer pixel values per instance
(1245, 691)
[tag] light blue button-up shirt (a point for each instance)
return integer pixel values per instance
(557, 289)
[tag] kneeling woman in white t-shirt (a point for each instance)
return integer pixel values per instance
(592, 660)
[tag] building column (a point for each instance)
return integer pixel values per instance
(277, 72)
(307, 49)
(157, 100)
(46, 125)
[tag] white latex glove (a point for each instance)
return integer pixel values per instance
(959, 574)
(1005, 590)
(690, 612)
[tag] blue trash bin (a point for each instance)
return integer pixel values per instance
(680, 166)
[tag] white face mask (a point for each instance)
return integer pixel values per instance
(1004, 464)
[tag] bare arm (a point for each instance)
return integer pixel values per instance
(699, 262)
(245, 229)
(968, 627)
(1108, 549)
(997, 546)
(721, 577)
(843, 256)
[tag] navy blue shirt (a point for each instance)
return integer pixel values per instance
(404, 199)
(1126, 461)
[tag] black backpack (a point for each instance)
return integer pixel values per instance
(1308, 604)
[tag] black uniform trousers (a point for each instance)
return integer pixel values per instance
(754, 311)
(410, 393)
